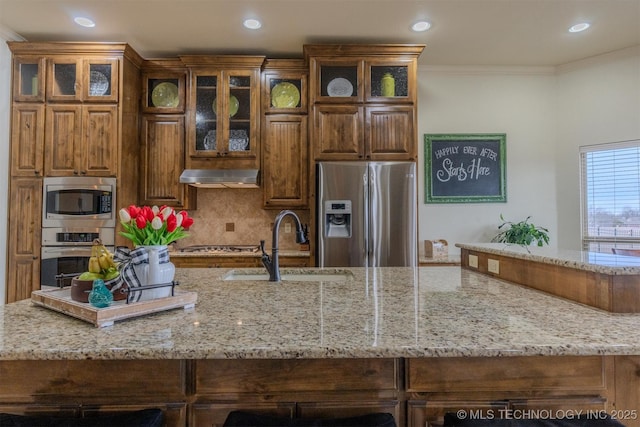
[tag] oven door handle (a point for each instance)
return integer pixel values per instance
(49, 252)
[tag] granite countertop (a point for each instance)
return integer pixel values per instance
(378, 312)
(582, 260)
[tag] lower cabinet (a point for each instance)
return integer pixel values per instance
(416, 392)
(308, 388)
(509, 387)
(24, 238)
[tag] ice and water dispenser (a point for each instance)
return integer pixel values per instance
(337, 218)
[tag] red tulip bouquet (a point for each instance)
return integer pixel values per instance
(149, 226)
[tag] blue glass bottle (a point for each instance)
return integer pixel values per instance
(100, 296)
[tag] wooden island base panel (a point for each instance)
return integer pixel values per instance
(416, 391)
(605, 281)
(416, 343)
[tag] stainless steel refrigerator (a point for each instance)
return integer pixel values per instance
(366, 214)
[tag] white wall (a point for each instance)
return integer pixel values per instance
(5, 80)
(598, 101)
(516, 101)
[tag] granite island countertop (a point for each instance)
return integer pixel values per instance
(379, 312)
(582, 260)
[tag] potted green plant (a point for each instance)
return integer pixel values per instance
(521, 233)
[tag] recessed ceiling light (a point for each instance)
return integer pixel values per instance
(421, 26)
(84, 22)
(579, 27)
(252, 24)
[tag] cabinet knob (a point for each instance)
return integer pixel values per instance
(75, 172)
(83, 172)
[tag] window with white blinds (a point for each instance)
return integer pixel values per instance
(610, 175)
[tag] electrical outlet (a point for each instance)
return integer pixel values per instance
(473, 261)
(287, 227)
(493, 265)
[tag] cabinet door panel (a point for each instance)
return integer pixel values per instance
(24, 238)
(62, 139)
(285, 161)
(64, 79)
(338, 132)
(27, 140)
(163, 162)
(390, 133)
(100, 129)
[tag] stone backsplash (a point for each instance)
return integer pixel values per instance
(236, 217)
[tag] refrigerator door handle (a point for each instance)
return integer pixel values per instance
(366, 182)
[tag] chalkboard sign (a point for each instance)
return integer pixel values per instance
(465, 168)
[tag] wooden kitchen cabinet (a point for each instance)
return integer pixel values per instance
(285, 149)
(223, 112)
(76, 79)
(482, 388)
(28, 78)
(24, 238)
(163, 87)
(358, 115)
(162, 135)
(338, 132)
(90, 388)
(74, 112)
(80, 140)
(162, 162)
(27, 139)
(308, 388)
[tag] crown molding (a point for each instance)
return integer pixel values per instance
(8, 35)
(628, 52)
(473, 70)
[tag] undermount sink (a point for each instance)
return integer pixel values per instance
(292, 276)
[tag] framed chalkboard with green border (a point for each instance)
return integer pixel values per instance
(465, 168)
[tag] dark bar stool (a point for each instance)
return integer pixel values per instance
(247, 419)
(592, 419)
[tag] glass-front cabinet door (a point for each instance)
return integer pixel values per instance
(28, 85)
(337, 81)
(72, 79)
(225, 107)
(390, 81)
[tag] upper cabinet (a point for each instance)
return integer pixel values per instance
(73, 79)
(223, 111)
(364, 101)
(28, 78)
(285, 166)
(162, 135)
(163, 87)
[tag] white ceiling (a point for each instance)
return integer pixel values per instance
(464, 32)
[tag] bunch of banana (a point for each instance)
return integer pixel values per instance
(101, 264)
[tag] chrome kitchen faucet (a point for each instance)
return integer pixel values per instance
(272, 264)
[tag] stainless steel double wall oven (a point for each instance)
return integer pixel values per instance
(75, 211)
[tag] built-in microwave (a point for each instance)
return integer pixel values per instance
(79, 202)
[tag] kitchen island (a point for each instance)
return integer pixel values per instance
(412, 342)
(602, 280)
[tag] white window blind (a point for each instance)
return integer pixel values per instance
(610, 175)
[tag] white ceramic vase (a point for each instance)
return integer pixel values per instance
(154, 273)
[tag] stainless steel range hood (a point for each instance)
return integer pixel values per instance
(220, 178)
